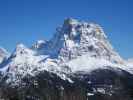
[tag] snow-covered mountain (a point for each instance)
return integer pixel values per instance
(78, 55)
(3, 54)
(75, 38)
(74, 43)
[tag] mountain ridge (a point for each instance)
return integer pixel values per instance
(74, 42)
(78, 63)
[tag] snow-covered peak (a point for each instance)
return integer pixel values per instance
(75, 38)
(70, 21)
(73, 27)
(39, 44)
(22, 61)
(21, 49)
(3, 54)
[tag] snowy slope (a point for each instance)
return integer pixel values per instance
(88, 64)
(24, 60)
(3, 54)
(130, 62)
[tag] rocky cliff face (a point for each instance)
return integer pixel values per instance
(78, 63)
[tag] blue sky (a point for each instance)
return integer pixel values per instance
(29, 20)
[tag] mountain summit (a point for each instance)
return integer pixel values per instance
(75, 38)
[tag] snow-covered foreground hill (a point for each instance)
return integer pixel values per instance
(78, 63)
